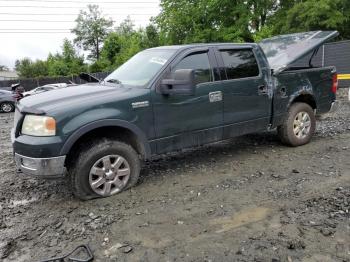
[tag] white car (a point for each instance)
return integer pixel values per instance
(45, 88)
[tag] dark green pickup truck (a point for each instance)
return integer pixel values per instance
(169, 98)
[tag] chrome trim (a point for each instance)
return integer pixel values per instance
(215, 96)
(43, 167)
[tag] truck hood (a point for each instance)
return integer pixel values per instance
(283, 50)
(66, 97)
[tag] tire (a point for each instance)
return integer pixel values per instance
(7, 107)
(300, 117)
(97, 154)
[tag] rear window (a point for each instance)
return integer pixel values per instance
(239, 63)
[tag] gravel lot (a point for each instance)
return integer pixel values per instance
(249, 199)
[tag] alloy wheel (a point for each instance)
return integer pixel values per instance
(109, 175)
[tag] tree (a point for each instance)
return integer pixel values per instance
(126, 27)
(120, 45)
(27, 68)
(187, 21)
(91, 30)
(151, 36)
(260, 11)
(68, 62)
(4, 68)
(313, 15)
(111, 47)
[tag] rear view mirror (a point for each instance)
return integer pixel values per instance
(183, 83)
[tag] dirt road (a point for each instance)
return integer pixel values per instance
(249, 199)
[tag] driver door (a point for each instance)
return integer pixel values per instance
(190, 120)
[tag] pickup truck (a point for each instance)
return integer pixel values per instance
(169, 98)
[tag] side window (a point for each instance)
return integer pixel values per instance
(199, 62)
(239, 63)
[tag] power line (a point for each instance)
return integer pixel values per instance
(34, 29)
(52, 21)
(28, 32)
(69, 7)
(64, 14)
(31, 20)
(85, 2)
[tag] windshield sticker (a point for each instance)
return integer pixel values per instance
(158, 60)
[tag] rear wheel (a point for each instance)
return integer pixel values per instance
(299, 125)
(7, 107)
(104, 168)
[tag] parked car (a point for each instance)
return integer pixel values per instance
(7, 101)
(18, 91)
(170, 98)
(44, 88)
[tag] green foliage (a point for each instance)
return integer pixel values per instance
(111, 47)
(91, 30)
(69, 62)
(123, 43)
(27, 68)
(187, 21)
(265, 32)
(297, 16)
(151, 36)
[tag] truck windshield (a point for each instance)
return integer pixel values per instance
(141, 68)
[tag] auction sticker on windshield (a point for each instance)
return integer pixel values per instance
(158, 60)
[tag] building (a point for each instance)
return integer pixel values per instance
(8, 75)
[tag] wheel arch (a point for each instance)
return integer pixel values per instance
(119, 129)
(304, 97)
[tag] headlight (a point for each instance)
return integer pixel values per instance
(39, 126)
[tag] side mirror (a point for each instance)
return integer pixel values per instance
(182, 84)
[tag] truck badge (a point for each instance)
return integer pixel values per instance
(140, 104)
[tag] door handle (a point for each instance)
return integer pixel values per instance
(215, 96)
(262, 89)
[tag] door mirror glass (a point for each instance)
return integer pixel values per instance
(183, 83)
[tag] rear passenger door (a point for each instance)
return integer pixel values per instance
(245, 91)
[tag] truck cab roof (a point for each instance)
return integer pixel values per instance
(195, 45)
(280, 51)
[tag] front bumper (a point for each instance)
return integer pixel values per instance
(41, 167)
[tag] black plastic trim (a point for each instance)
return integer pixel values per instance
(105, 123)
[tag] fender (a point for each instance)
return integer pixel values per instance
(105, 123)
(300, 92)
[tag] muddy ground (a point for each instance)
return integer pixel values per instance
(249, 199)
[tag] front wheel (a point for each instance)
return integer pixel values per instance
(298, 126)
(7, 107)
(104, 168)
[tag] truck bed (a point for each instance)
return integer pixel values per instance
(314, 84)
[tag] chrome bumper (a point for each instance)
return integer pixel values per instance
(42, 167)
(334, 106)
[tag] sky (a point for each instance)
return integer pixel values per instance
(35, 28)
